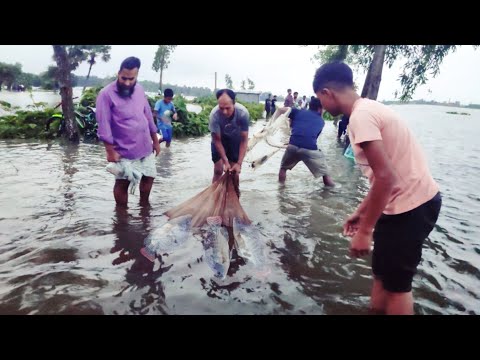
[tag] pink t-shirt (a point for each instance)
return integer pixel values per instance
(371, 120)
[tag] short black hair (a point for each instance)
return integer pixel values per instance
(335, 74)
(296, 92)
(289, 90)
(231, 94)
(168, 93)
(315, 104)
(130, 63)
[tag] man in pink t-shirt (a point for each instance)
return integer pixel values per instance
(404, 201)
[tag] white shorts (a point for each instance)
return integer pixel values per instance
(146, 166)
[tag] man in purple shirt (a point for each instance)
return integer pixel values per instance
(126, 126)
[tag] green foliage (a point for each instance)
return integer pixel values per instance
(9, 74)
(255, 111)
(49, 78)
(27, 124)
(421, 61)
(31, 124)
(161, 60)
(329, 117)
(89, 97)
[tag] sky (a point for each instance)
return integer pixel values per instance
(273, 68)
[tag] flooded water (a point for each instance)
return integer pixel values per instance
(66, 249)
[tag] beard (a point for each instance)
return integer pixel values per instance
(125, 91)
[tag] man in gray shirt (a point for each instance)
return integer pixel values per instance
(229, 127)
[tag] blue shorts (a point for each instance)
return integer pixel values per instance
(167, 131)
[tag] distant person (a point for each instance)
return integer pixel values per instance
(295, 100)
(289, 99)
(268, 106)
(305, 102)
(273, 108)
(164, 112)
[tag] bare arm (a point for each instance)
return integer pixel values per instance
(360, 225)
(112, 154)
(156, 143)
(383, 185)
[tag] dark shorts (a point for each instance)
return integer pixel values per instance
(342, 128)
(398, 241)
(232, 149)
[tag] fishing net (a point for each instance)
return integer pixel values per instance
(219, 199)
(271, 139)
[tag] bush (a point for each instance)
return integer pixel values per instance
(5, 104)
(89, 97)
(31, 124)
(329, 117)
(27, 124)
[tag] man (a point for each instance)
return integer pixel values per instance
(306, 127)
(274, 106)
(268, 106)
(289, 99)
(126, 126)
(403, 203)
(228, 124)
(164, 111)
(304, 102)
(296, 100)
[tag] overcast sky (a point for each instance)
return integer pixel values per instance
(272, 68)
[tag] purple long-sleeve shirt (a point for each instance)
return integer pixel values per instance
(126, 123)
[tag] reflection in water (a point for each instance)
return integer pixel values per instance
(66, 248)
(130, 232)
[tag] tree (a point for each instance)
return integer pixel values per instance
(49, 78)
(251, 84)
(374, 74)
(68, 58)
(228, 81)
(243, 85)
(28, 80)
(333, 53)
(420, 60)
(9, 73)
(161, 60)
(97, 50)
